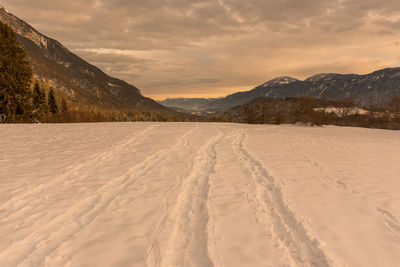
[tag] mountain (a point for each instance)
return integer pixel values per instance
(241, 98)
(55, 66)
(378, 87)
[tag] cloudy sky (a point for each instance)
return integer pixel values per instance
(208, 48)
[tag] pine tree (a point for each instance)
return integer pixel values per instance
(15, 74)
(38, 100)
(51, 102)
(63, 106)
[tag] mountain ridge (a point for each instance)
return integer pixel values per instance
(378, 86)
(54, 65)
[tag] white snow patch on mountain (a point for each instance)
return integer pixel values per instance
(37, 38)
(339, 111)
(280, 81)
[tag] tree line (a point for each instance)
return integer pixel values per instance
(18, 101)
(312, 111)
(15, 78)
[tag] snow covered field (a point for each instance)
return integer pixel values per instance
(189, 194)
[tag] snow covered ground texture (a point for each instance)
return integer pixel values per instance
(191, 194)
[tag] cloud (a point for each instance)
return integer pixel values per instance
(213, 47)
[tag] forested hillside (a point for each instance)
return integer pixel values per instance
(23, 99)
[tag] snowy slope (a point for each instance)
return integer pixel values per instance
(187, 194)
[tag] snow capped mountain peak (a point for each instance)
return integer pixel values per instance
(279, 81)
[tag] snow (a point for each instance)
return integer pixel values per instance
(113, 85)
(338, 111)
(65, 64)
(180, 194)
(36, 37)
(280, 81)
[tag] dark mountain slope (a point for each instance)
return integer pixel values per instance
(241, 98)
(56, 66)
(379, 86)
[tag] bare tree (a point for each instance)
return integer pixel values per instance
(345, 106)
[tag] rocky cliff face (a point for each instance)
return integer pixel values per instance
(56, 66)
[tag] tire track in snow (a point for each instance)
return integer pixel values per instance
(153, 249)
(390, 220)
(270, 206)
(279, 255)
(17, 205)
(188, 241)
(212, 221)
(32, 250)
(178, 146)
